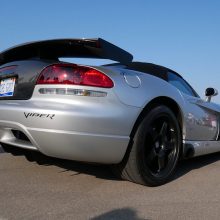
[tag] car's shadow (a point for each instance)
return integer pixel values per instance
(97, 170)
(188, 165)
(104, 171)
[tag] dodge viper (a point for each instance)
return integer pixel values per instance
(140, 118)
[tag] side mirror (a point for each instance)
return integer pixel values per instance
(209, 92)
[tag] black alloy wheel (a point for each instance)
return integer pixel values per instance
(161, 145)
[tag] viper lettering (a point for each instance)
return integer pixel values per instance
(38, 115)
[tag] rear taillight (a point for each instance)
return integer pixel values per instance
(72, 74)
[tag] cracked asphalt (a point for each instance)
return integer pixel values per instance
(58, 189)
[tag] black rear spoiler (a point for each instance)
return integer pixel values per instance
(54, 49)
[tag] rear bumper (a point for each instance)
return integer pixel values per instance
(83, 130)
(67, 144)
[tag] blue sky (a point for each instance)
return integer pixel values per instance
(182, 35)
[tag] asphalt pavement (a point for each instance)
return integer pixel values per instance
(58, 189)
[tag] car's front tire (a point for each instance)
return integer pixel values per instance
(155, 149)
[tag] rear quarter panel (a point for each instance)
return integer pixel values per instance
(150, 87)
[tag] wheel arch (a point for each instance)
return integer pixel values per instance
(162, 100)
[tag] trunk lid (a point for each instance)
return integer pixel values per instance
(24, 74)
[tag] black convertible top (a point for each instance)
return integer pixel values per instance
(155, 70)
(150, 68)
(53, 49)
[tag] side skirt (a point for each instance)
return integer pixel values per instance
(198, 148)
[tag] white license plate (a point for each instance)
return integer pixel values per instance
(7, 87)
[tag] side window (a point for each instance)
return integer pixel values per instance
(180, 84)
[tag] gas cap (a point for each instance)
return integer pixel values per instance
(132, 79)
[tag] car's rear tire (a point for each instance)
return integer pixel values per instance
(155, 149)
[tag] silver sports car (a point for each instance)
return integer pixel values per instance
(140, 118)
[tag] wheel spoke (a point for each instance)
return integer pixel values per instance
(152, 155)
(154, 134)
(161, 160)
(163, 130)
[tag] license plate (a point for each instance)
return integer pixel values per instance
(7, 87)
